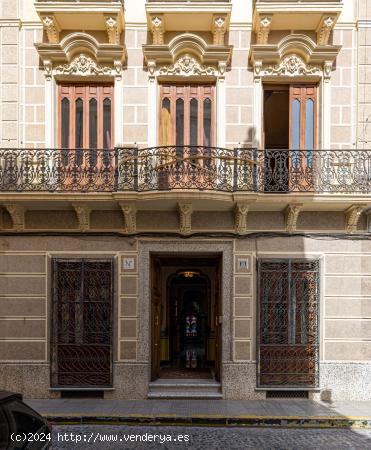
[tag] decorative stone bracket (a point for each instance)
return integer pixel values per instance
(17, 213)
(52, 28)
(83, 215)
(157, 29)
(185, 211)
(219, 29)
(129, 211)
(352, 216)
(291, 214)
(263, 29)
(324, 29)
(240, 217)
(113, 30)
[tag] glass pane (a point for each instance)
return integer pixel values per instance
(107, 123)
(166, 122)
(193, 122)
(65, 123)
(93, 123)
(309, 131)
(207, 123)
(179, 126)
(295, 132)
(79, 124)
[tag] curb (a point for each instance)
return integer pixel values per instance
(241, 421)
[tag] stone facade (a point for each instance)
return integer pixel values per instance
(37, 226)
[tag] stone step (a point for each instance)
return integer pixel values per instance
(185, 388)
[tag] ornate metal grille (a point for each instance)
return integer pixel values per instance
(82, 323)
(288, 349)
(185, 167)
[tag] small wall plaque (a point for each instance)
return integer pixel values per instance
(243, 264)
(128, 264)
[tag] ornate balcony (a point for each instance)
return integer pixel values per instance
(242, 170)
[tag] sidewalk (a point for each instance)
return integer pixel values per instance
(269, 413)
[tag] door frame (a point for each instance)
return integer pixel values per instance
(155, 324)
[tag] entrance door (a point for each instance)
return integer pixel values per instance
(288, 323)
(82, 323)
(289, 137)
(218, 323)
(156, 317)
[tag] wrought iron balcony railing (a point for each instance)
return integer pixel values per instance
(182, 168)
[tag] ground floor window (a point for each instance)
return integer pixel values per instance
(288, 349)
(82, 323)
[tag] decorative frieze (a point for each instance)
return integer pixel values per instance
(51, 28)
(112, 30)
(291, 214)
(292, 66)
(129, 211)
(17, 213)
(352, 216)
(219, 28)
(323, 31)
(187, 65)
(83, 215)
(82, 65)
(263, 29)
(240, 217)
(185, 217)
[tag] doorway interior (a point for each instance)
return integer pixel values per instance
(185, 317)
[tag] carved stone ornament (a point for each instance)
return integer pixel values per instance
(83, 216)
(327, 69)
(352, 216)
(17, 213)
(291, 217)
(188, 66)
(291, 65)
(185, 217)
(51, 29)
(48, 69)
(263, 30)
(219, 29)
(129, 211)
(240, 217)
(324, 30)
(82, 65)
(158, 30)
(112, 30)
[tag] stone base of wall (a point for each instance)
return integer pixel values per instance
(130, 381)
(31, 380)
(345, 381)
(239, 382)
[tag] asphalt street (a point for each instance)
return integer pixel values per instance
(68, 437)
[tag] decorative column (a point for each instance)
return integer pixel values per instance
(220, 105)
(257, 104)
(152, 102)
(119, 113)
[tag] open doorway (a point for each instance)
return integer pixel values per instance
(186, 329)
(289, 136)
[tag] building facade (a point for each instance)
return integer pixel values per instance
(185, 194)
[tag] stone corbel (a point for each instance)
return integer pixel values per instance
(327, 69)
(151, 65)
(158, 29)
(352, 216)
(240, 217)
(118, 69)
(324, 29)
(48, 69)
(263, 29)
(291, 214)
(218, 29)
(52, 29)
(83, 216)
(17, 213)
(129, 211)
(112, 30)
(222, 67)
(258, 67)
(185, 211)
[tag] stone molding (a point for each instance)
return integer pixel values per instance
(82, 65)
(17, 213)
(129, 211)
(185, 211)
(352, 216)
(83, 215)
(291, 214)
(186, 66)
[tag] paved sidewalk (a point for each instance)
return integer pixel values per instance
(208, 412)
